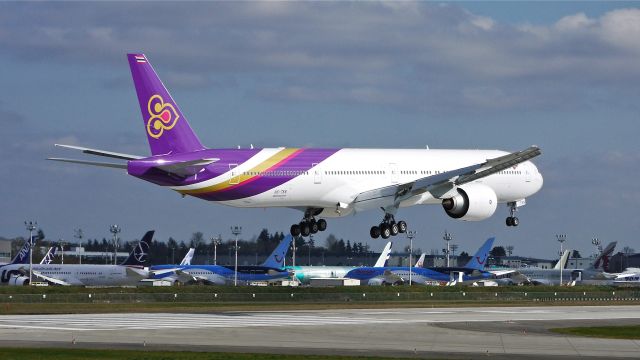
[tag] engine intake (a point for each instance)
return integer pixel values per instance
(474, 202)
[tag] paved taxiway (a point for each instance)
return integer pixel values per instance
(450, 332)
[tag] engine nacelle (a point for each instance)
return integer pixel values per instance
(18, 281)
(474, 202)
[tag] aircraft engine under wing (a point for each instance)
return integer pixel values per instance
(391, 196)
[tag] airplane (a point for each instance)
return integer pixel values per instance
(473, 270)
(322, 183)
(129, 272)
(594, 274)
(271, 269)
(304, 274)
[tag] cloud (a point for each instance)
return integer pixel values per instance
(390, 53)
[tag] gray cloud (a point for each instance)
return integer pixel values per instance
(375, 53)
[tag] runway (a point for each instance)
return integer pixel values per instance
(419, 332)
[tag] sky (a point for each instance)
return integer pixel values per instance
(491, 75)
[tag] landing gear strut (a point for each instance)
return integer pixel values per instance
(308, 225)
(388, 227)
(512, 220)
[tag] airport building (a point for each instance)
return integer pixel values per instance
(5, 251)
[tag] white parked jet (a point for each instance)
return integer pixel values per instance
(322, 183)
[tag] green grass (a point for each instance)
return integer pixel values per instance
(610, 332)
(94, 354)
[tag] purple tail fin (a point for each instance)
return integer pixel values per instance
(167, 129)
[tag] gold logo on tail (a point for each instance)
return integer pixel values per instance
(163, 116)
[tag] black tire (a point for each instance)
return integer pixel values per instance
(305, 229)
(394, 229)
(322, 224)
(295, 230)
(374, 232)
(313, 226)
(402, 227)
(515, 221)
(385, 231)
(509, 221)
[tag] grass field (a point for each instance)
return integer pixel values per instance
(610, 332)
(82, 354)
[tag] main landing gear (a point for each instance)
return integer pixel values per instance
(512, 220)
(308, 225)
(388, 227)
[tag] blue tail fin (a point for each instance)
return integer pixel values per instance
(276, 259)
(22, 257)
(479, 260)
(140, 253)
(167, 128)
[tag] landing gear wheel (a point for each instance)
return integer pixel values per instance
(295, 230)
(515, 221)
(394, 229)
(305, 229)
(402, 227)
(374, 232)
(313, 225)
(322, 224)
(385, 231)
(508, 221)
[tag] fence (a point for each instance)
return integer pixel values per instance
(324, 297)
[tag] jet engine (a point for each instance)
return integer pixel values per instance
(474, 202)
(18, 280)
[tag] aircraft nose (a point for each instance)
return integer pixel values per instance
(538, 180)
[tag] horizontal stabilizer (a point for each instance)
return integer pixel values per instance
(186, 168)
(94, 163)
(97, 152)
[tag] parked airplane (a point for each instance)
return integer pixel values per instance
(473, 270)
(271, 269)
(322, 183)
(21, 257)
(594, 274)
(304, 274)
(130, 272)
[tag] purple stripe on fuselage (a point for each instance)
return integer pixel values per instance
(303, 161)
(145, 168)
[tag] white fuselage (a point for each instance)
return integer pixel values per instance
(84, 275)
(337, 180)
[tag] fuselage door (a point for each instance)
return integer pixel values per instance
(234, 179)
(393, 173)
(317, 174)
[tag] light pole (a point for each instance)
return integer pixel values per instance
(411, 234)
(78, 235)
(115, 230)
(454, 247)
(509, 249)
(31, 225)
(236, 230)
(596, 242)
(293, 248)
(309, 245)
(61, 244)
(216, 241)
(447, 237)
(561, 238)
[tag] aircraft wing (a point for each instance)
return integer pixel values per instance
(392, 278)
(50, 279)
(392, 195)
(502, 272)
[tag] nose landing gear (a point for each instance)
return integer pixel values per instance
(512, 220)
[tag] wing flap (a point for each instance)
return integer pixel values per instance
(50, 279)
